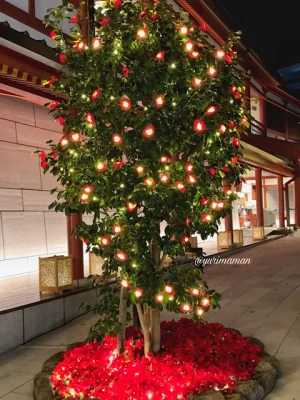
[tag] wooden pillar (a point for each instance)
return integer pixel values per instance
(228, 218)
(297, 200)
(265, 204)
(280, 201)
(31, 7)
(75, 246)
(259, 198)
(263, 114)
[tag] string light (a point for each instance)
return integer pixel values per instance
(196, 82)
(222, 129)
(101, 166)
(125, 283)
(189, 167)
(183, 30)
(219, 54)
(159, 298)
(180, 186)
(173, 65)
(96, 93)
(142, 34)
(121, 256)
(88, 188)
(206, 218)
(211, 110)
(125, 104)
(131, 206)
(195, 54)
(160, 56)
(80, 45)
(199, 126)
(84, 198)
(149, 131)
(186, 308)
(205, 302)
(169, 290)
(165, 178)
(189, 46)
(185, 239)
(90, 119)
(204, 201)
(96, 43)
(200, 311)
(149, 182)
(139, 169)
(75, 137)
(117, 229)
(236, 141)
(118, 164)
(159, 101)
(105, 241)
(235, 159)
(165, 159)
(212, 72)
(195, 292)
(233, 89)
(63, 141)
(191, 179)
(117, 139)
(138, 293)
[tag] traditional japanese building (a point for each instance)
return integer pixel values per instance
(28, 230)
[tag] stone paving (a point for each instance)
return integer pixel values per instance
(261, 299)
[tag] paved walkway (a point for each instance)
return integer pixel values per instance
(261, 299)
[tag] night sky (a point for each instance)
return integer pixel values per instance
(271, 28)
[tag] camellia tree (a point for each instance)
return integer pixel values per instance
(152, 117)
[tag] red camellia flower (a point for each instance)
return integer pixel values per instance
(55, 155)
(183, 30)
(204, 201)
(63, 141)
(62, 58)
(44, 164)
(104, 21)
(235, 159)
(80, 45)
(187, 221)
(125, 71)
(149, 131)
(52, 35)
(125, 283)
(236, 141)
(199, 126)
(231, 124)
(84, 198)
(74, 19)
(219, 54)
(52, 80)
(189, 46)
(125, 104)
(138, 292)
(180, 186)
(154, 17)
(90, 119)
(131, 205)
(88, 188)
(118, 164)
(143, 15)
(117, 3)
(61, 120)
(159, 298)
(238, 95)
(160, 56)
(149, 182)
(121, 256)
(139, 169)
(212, 171)
(96, 93)
(165, 159)
(225, 169)
(233, 89)
(227, 59)
(117, 139)
(105, 241)
(54, 104)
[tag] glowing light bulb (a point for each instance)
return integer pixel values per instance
(219, 54)
(96, 93)
(125, 283)
(195, 292)
(142, 34)
(204, 201)
(212, 72)
(139, 169)
(214, 205)
(159, 101)
(206, 218)
(205, 302)
(117, 139)
(196, 82)
(185, 239)
(165, 178)
(84, 198)
(186, 308)
(199, 126)
(189, 46)
(183, 30)
(189, 167)
(88, 188)
(149, 181)
(159, 298)
(90, 119)
(138, 292)
(195, 54)
(165, 159)
(211, 110)
(101, 166)
(131, 206)
(160, 56)
(75, 137)
(180, 186)
(222, 129)
(96, 43)
(63, 141)
(125, 104)
(105, 241)
(200, 311)
(221, 204)
(191, 179)
(121, 256)
(173, 65)
(169, 290)
(117, 229)
(149, 131)
(80, 45)
(233, 89)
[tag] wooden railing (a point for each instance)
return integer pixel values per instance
(256, 128)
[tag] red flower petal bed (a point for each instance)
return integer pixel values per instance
(195, 357)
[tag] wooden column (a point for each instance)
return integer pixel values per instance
(75, 246)
(228, 218)
(31, 7)
(259, 198)
(297, 200)
(280, 201)
(263, 114)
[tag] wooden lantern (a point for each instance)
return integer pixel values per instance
(258, 233)
(238, 237)
(224, 240)
(55, 274)
(96, 267)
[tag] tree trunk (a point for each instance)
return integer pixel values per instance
(122, 320)
(155, 330)
(144, 318)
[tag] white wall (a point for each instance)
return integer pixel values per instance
(27, 228)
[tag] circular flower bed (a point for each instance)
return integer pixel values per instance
(195, 357)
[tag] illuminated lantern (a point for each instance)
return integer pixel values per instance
(180, 186)
(142, 34)
(117, 139)
(184, 30)
(159, 298)
(80, 46)
(149, 131)
(131, 206)
(211, 110)
(235, 159)
(199, 126)
(139, 169)
(233, 89)
(160, 56)
(205, 302)
(222, 129)
(219, 54)
(117, 229)
(101, 166)
(118, 164)
(196, 82)
(206, 218)
(159, 101)
(90, 119)
(121, 256)
(149, 182)
(88, 188)
(75, 137)
(189, 46)
(63, 141)
(189, 167)
(212, 72)
(195, 292)
(200, 311)
(96, 93)
(84, 198)
(125, 104)
(105, 241)
(165, 159)
(185, 239)
(191, 179)
(96, 43)
(185, 308)
(138, 292)
(169, 290)
(236, 141)
(125, 283)
(165, 178)
(195, 54)
(204, 201)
